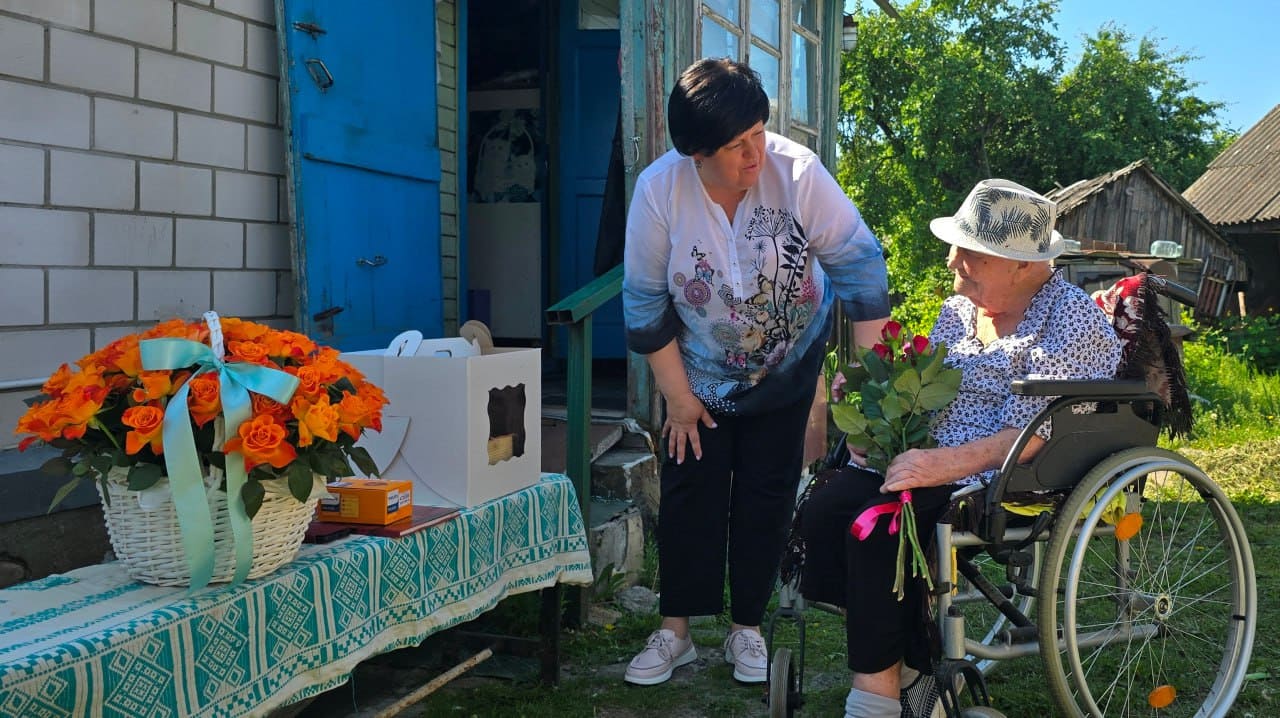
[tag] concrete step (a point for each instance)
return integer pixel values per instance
(631, 474)
(602, 435)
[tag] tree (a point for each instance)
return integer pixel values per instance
(954, 91)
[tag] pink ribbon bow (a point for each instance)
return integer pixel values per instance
(866, 521)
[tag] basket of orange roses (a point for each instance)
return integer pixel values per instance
(209, 441)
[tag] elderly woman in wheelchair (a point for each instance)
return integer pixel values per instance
(1146, 595)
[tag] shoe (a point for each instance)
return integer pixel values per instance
(662, 653)
(745, 650)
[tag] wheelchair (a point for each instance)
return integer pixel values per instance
(1121, 564)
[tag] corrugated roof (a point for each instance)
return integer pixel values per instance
(1243, 183)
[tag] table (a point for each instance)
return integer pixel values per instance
(92, 642)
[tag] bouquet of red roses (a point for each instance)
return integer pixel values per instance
(885, 402)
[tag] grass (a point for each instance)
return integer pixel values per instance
(1234, 443)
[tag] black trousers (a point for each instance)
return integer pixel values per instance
(738, 500)
(858, 575)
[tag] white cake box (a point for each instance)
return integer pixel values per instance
(463, 424)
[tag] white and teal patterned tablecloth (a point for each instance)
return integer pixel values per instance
(94, 643)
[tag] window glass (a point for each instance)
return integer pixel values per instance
(765, 18)
(804, 96)
(767, 65)
(598, 14)
(726, 8)
(717, 40)
(805, 13)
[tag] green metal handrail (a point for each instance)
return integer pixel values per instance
(575, 311)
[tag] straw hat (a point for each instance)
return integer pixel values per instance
(1003, 219)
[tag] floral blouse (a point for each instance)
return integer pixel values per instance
(749, 300)
(1062, 336)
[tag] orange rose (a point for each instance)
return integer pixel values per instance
(240, 330)
(262, 441)
(264, 405)
(203, 399)
(353, 415)
(251, 352)
(315, 420)
(290, 345)
(57, 384)
(40, 420)
(148, 429)
(311, 384)
(155, 385)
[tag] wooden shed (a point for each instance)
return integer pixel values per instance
(1133, 210)
(1240, 194)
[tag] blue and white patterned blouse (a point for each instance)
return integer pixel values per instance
(1063, 335)
(746, 300)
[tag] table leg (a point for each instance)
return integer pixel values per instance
(549, 627)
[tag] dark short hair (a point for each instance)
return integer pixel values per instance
(714, 101)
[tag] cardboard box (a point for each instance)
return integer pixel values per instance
(463, 424)
(366, 501)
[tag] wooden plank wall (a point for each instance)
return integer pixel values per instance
(447, 107)
(1133, 212)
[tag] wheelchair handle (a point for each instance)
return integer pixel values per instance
(1173, 290)
(1080, 388)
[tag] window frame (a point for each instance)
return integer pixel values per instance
(780, 120)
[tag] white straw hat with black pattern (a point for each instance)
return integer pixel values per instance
(1003, 219)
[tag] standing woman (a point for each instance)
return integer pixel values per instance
(738, 243)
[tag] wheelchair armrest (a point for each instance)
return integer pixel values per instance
(1079, 388)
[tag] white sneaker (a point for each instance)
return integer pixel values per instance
(663, 653)
(746, 651)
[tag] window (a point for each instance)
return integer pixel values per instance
(780, 39)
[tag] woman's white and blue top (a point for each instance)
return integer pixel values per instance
(749, 300)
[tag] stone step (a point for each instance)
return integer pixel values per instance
(631, 474)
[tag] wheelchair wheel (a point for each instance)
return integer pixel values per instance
(784, 685)
(1155, 608)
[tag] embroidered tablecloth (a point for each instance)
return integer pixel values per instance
(92, 642)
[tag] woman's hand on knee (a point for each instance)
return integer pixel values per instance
(916, 468)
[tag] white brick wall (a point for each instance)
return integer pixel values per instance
(141, 161)
(132, 129)
(21, 174)
(21, 48)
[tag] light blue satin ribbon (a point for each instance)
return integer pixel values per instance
(186, 478)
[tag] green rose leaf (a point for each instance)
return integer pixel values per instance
(849, 418)
(66, 490)
(908, 382)
(363, 461)
(300, 480)
(875, 366)
(144, 476)
(892, 407)
(935, 396)
(57, 466)
(251, 493)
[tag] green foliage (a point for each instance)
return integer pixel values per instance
(1256, 340)
(1234, 402)
(955, 91)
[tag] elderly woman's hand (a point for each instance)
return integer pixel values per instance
(918, 468)
(683, 415)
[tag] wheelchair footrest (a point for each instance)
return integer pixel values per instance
(955, 677)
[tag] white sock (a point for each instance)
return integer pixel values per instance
(861, 704)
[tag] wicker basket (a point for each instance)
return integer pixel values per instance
(146, 538)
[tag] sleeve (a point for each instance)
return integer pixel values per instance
(650, 318)
(842, 243)
(1077, 343)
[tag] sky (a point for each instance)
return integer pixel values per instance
(1237, 42)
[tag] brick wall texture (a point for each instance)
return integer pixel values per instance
(141, 175)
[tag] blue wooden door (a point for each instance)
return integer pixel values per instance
(588, 107)
(364, 166)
